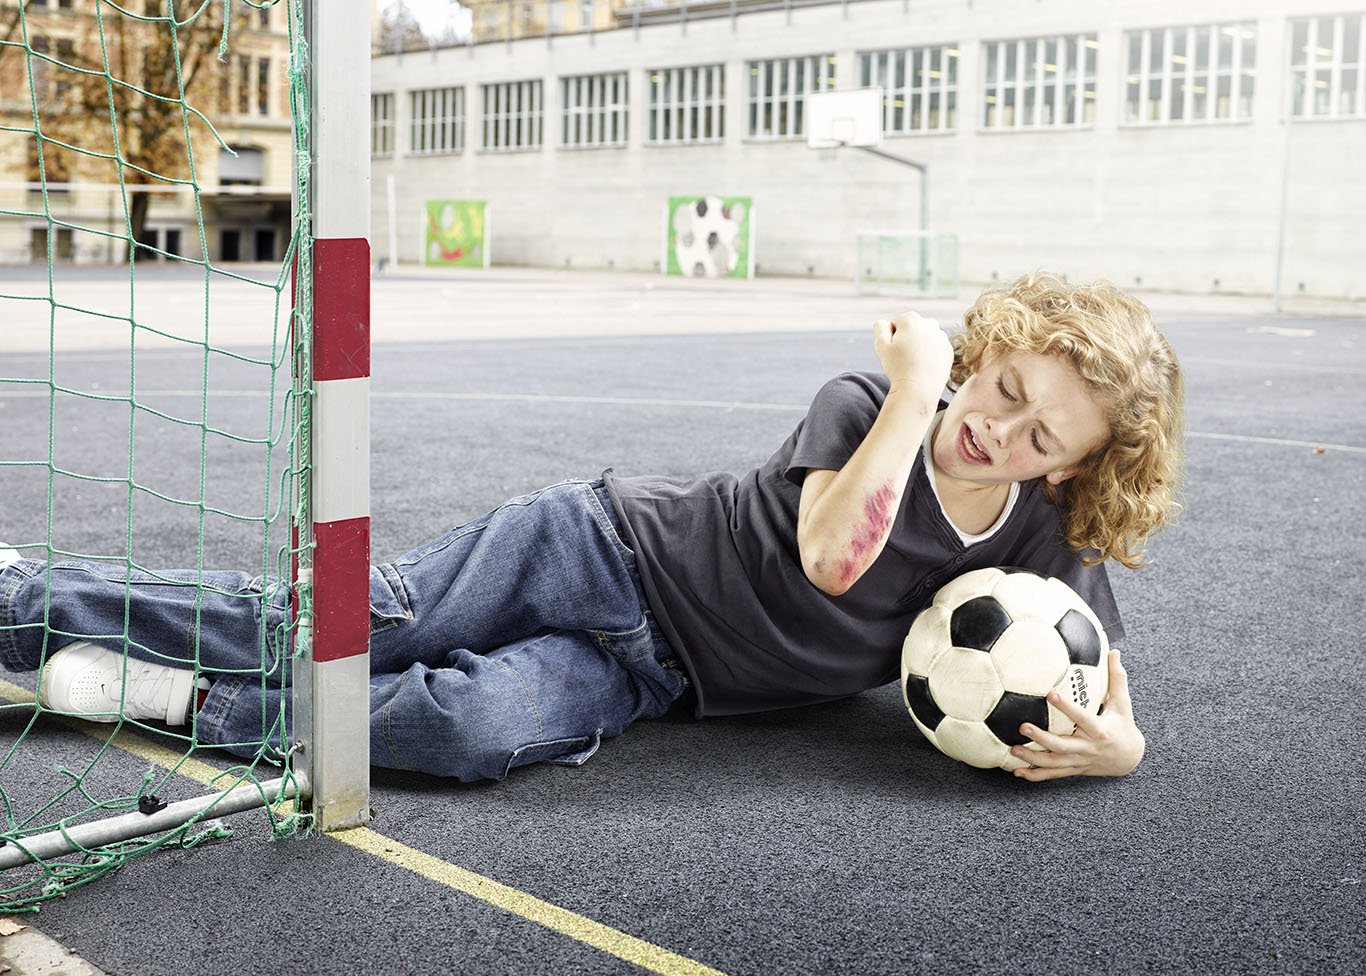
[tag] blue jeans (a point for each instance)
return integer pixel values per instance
(519, 637)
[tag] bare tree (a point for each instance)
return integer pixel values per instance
(127, 89)
(399, 30)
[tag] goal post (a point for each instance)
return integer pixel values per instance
(332, 672)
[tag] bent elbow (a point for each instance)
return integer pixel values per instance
(830, 581)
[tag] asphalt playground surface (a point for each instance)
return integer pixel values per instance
(822, 840)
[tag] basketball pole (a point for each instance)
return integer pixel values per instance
(923, 168)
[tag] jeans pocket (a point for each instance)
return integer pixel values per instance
(604, 513)
(389, 605)
(630, 647)
(560, 752)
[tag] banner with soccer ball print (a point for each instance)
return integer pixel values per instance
(709, 236)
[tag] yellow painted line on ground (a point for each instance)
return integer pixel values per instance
(190, 768)
(577, 927)
(580, 928)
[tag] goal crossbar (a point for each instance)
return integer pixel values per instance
(130, 826)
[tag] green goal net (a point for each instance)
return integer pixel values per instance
(920, 264)
(153, 388)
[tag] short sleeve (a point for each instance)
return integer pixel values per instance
(1091, 583)
(840, 417)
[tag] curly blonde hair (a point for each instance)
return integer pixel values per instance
(1128, 488)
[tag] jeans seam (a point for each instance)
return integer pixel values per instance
(213, 716)
(526, 694)
(386, 715)
(9, 651)
(445, 542)
(477, 525)
(9, 645)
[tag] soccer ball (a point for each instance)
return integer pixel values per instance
(981, 659)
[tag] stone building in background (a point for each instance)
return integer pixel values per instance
(62, 184)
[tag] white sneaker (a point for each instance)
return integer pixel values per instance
(8, 555)
(86, 680)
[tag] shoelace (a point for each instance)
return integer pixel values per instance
(148, 688)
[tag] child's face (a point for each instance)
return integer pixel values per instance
(1021, 416)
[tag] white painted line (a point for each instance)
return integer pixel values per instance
(1256, 364)
(664, 402)
(1277, 441)
(604, 400)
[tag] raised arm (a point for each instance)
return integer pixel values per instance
(846, 515)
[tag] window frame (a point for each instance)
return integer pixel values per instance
(921, 98)
(1151, 94)
(1029, 87)
(1306, 76)
(382, 125)
(436, 121)
(681, 106)
(513, 116)
(595, 110)
(777, 90)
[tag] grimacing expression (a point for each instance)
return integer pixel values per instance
(1021, 416)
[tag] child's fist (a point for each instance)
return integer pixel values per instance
(914, 353)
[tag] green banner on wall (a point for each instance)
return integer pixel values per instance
(710, 237)
(456, 234)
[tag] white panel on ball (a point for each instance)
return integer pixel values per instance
(928, 637)
(971, 742)
(967, 586)
(964, 684)
(1029, 597)
(1030, 658)
(1086, 686)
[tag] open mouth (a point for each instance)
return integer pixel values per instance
(970, 449)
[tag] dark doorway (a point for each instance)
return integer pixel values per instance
(230, 245)
(265, 244)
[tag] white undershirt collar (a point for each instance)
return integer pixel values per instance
(967, 537)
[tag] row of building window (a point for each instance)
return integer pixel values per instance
(244, 85)
(262, 13)
(1173, 75)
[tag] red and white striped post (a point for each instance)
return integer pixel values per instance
(332, 682)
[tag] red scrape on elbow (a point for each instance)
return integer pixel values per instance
(868, 536)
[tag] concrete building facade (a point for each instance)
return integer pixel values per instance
(1143, 142)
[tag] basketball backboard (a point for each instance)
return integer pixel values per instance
(844, 118)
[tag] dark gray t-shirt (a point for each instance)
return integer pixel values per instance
(719, 561)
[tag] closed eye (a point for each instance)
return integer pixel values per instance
(1033, 434)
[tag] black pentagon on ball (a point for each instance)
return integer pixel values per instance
(1080, 637)
(1013, 570)
(978, 623)
(922, 702)
(1011, 712)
